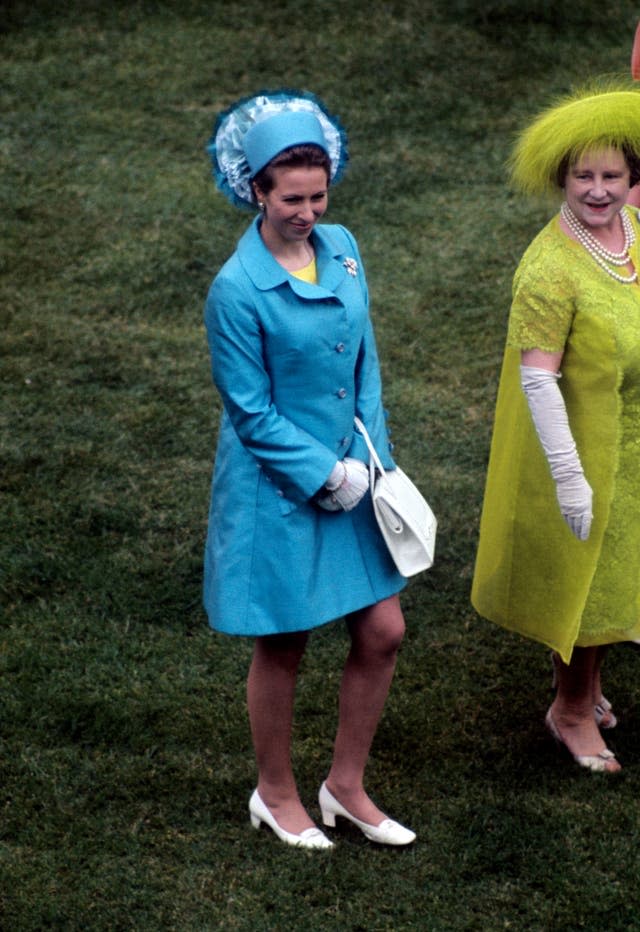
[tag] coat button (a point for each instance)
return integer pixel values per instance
(339, 347)
(341, 393)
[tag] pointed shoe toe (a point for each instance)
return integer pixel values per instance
(309, 838)
(387, 832)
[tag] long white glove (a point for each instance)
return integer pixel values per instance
(552, 426)
(346, 485)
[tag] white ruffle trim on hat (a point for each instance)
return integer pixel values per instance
(230, 167)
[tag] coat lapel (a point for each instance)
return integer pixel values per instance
(266, 273)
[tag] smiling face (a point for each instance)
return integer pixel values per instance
(293, 206)
(596, 187)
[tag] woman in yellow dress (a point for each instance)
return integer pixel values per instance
(559, 551)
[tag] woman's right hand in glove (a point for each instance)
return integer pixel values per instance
(346, 485)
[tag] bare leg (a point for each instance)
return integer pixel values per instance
(604, 716)
(271, 686)
(376, 634)
(597, 687)
(572, 709)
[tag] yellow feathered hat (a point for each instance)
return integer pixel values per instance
(591, 118)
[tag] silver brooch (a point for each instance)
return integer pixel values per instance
(351, 266)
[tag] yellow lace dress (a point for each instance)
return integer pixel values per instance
(532, 575)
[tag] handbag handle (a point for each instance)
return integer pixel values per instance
(393, 523)
(372, 450)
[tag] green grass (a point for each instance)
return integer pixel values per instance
(125, 755)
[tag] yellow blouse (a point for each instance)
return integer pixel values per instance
(308, 274)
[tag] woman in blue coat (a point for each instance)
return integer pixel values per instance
(292, 540)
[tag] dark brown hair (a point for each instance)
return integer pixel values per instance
(306, 155)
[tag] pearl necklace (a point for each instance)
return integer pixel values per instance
(597, 251)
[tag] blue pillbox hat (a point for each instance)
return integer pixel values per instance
(281, 131)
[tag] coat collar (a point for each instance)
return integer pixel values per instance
(266, 273)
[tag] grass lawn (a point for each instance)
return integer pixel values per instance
(125, 755)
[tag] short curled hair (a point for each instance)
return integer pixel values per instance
(305, 155)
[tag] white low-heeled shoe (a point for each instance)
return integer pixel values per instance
(387, 833)
(310, 838)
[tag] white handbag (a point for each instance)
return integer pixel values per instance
(406, 521)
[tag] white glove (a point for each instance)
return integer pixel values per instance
(347, 484)
(552, 426)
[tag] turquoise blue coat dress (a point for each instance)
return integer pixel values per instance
(293, 362)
